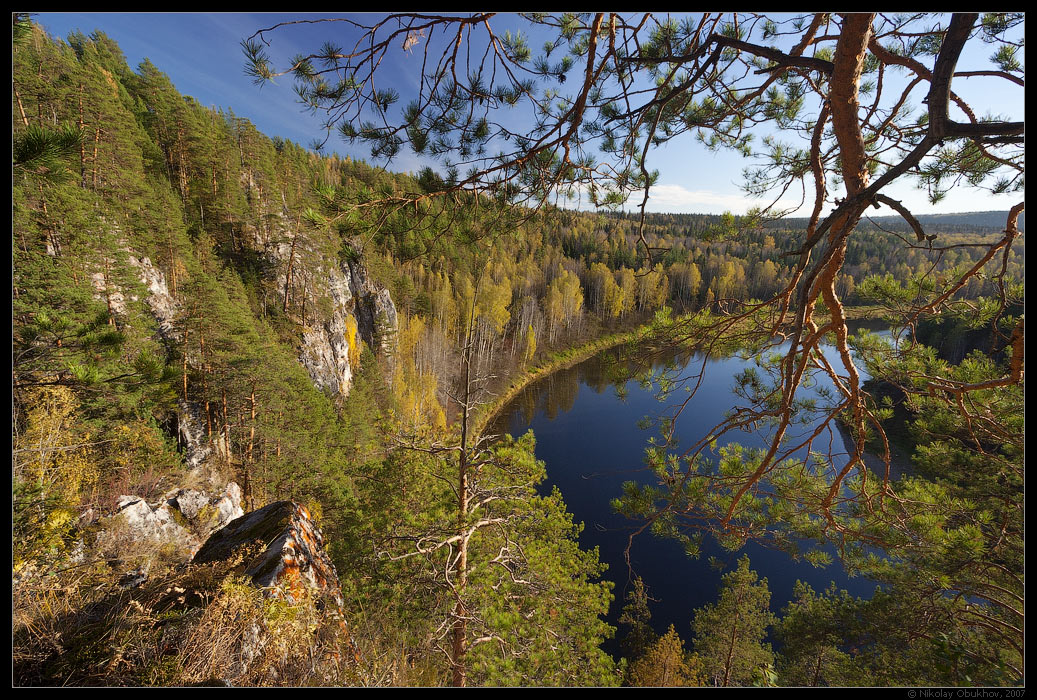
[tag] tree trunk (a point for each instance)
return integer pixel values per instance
(226, 427)
(731, 649)
(460, 647)
(185, 365)
(93, 163)
(251, 443)
(107, 291)
(181, 164)
(82, 144)
(205, 387)
(291, 261)
(172, 271)
(21, 109)
(817, 668)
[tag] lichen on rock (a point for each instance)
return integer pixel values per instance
(293, 562)
(282, 553)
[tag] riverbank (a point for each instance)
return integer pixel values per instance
(555, 361)
(586, 420)
(563, 359)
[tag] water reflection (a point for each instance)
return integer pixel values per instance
(586, 422)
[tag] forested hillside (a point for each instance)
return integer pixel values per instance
(195, 304)
(966, 222)
(184, 315)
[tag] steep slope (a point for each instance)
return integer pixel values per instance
(178, 329)
(178, 318)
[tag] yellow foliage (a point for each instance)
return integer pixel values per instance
(408, 335)
(494, 298)
(51, 450)
(414, 390)
(353, 340)
(316, 510)
(665, 664)
(52, 470)
(531, 344)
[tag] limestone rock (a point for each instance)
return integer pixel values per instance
(161, 302)
(386, 322)
(360, 311)
(228, 506)
(112, 295)
(325, 355)
(182, 518)
(293, 561)
(376, 314)
(189, 502)
(207, 513)
(154, 524)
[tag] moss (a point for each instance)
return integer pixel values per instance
(165, 672)
(179, 518)
(205, 519)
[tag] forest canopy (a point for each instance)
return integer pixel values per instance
(196, 303)
(835, 106)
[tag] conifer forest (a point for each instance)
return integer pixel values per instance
(277, 406)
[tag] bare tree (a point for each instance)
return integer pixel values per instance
(842, 84)
(830, 97)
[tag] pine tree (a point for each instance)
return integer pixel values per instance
(665, 664)
(729, 634)
(811, 633)
(636, 616)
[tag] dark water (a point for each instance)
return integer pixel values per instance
(587, 434)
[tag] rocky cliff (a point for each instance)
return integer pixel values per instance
(360, 312)
(329, 349)
(258, 604)
(346, 307)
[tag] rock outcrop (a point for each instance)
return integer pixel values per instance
(330, 348)
(292, 562)
(284, 556)
(360, 311)
(181, 519)
(261, 604)
(161, 302)
(375, 313)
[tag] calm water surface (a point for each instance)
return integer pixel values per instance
(587, 434)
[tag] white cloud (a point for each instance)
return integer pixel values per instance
(677, 198)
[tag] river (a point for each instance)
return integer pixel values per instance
(587, 434)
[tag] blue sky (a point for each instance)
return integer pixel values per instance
(201, 54)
